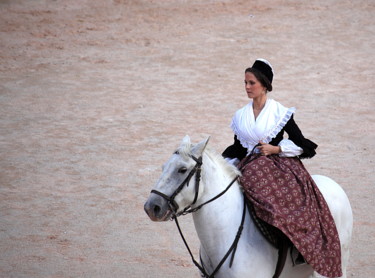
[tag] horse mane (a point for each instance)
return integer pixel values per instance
(229, 168)
(185, 150)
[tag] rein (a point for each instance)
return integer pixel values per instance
(174, 207)
(232, 248)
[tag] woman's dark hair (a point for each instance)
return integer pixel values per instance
(261, 78)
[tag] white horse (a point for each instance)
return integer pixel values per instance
(217, 222)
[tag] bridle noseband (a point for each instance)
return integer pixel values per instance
(171, 199)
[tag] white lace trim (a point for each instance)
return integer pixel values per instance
(279, 126)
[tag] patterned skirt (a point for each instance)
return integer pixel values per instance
(284, 195)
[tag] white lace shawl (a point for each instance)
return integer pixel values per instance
(268, 124)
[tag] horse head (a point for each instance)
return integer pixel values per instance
(178, 186)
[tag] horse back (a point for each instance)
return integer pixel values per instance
(339, 205)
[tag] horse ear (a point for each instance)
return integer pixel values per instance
(198, 149)
(186, 140)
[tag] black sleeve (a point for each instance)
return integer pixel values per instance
(235, 151)
(297, 137)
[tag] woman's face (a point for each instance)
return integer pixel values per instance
(254, 88)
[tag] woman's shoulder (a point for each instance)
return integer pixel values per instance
(279, 107)
(244, 108)
(275, 102)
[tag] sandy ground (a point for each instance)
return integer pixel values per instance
(95, 95)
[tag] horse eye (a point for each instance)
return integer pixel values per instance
(182, 170)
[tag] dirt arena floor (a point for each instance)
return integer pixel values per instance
(96, 95)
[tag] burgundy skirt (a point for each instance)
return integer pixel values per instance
(285, 196)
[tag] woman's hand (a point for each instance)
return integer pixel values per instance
(267, 149)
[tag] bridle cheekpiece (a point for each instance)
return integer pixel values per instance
(171, 199)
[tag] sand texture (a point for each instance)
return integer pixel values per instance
(96, 95)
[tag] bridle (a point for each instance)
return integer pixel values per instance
(171, 199)
(174, 208)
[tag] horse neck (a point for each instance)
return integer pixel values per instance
(216, 178)
(217, 223)
(218, 220)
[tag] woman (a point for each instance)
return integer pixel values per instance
(274, 179)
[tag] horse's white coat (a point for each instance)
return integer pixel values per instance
(217, 223)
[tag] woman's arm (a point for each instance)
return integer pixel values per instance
(289, 149)
(295, 135)
(286, 148)
(296, 145)
(236, 150)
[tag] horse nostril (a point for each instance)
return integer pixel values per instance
(157, 209)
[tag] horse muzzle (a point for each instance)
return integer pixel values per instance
(157, 208)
